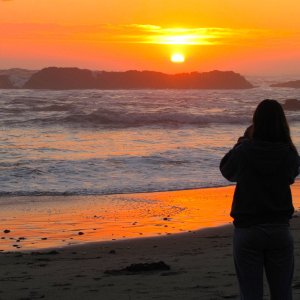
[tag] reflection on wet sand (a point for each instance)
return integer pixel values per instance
(55, 221)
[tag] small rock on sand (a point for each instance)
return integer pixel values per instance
(140, 267)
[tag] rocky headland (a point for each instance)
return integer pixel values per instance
(75, 78)
(289, 84)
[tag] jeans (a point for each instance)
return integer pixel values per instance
(259, 247)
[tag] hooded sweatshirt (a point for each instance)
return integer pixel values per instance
(263, 172)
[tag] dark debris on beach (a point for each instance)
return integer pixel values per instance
(140, 268)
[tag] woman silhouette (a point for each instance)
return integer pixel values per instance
(264, 163)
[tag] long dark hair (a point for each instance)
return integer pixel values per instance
(270, 124)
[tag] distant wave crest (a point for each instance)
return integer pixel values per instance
(113, 118)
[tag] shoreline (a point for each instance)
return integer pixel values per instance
(44, 222)
(10, 195)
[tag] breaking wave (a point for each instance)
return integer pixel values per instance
(100, 117)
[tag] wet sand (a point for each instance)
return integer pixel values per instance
(41, 222)
(200, 267)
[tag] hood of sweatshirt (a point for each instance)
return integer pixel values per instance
(267, 158)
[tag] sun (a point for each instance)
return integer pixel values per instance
(177, 58)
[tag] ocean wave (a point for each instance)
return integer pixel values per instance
(110, 118)
(120, 119)
(121, 109)
(54, 107)
(104, 117)
(113, 191)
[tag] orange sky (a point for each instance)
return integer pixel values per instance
(251, 37)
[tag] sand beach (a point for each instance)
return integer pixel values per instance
(194, 264)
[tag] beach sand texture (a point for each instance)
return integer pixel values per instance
(200, 262)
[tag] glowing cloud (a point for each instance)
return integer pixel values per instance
(152, 34)
(132, 33)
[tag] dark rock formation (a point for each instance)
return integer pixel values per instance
(74, 78)
(61, 79)
(157, 80)
(289, 84)
(291, 104)
(5, 82)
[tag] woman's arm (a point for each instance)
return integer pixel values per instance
(230, 165)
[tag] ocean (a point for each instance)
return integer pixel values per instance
(95, 142)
